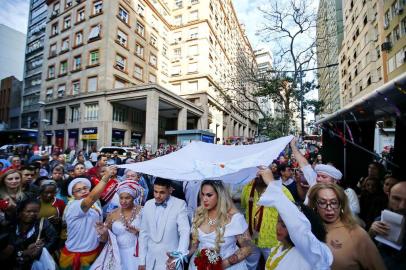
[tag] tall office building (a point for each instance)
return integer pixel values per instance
(11, 53)
(10, 102)
(124, 72)
(34, 57)
(329, 40)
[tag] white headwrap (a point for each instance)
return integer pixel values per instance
(133, 188)
(78, 180)
(329, 170)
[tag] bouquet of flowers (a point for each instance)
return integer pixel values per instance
(208, 259)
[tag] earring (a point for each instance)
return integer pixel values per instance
(342, 211)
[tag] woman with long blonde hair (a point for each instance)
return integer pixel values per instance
(351, 245)
(11, 189)
(218, 226)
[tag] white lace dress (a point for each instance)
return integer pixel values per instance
(127, 243)
(237, 226)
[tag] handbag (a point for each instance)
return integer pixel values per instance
(45, 262)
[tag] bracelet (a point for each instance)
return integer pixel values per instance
(233, 259)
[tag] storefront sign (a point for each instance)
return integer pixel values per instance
(118, 133)
(73, 133)
(59, 133)
(208, 139)
(48, 133)
(134, 134)
(89, 134)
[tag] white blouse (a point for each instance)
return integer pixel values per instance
(316, 253)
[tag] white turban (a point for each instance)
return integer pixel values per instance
(78, 180)
(329, 170)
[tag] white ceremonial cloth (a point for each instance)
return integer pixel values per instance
(200, 161)
(307, 246)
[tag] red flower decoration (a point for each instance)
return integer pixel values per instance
(208, 259)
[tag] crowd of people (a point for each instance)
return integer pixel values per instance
(83, 212)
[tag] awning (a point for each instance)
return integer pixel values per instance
(387, 100)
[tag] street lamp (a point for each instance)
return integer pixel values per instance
(41, 104)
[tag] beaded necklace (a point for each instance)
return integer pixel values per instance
(127, 222)
(272, 263)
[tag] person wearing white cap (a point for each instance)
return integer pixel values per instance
(81, 214)
(122, 227)
(324, 173)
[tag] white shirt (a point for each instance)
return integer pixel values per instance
(81, 229)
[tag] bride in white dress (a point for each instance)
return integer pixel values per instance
(121, 231)
(218, 225)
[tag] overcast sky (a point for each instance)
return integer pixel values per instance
(14, 13)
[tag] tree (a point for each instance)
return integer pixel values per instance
(290, 30)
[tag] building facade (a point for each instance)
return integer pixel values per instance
(329, 39)
(10, 101)
(360, 57)
(11, 53)
(394, 34)
(34, 57)
(124, 72)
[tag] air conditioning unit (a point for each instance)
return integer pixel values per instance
(54, 14)
(386, 46)
(385, 25)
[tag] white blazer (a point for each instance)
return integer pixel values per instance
(172, 234)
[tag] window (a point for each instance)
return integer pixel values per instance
(118, 83)
(65, 45)
(51, 72)
(178, 20)
(396, 34)
(123, 14)
(194, 15)
(138, 72)
(60, 115)
(77, 62)
(176, 70)
(193, 50)
(80, 15)
(140, 29)
(193, 86)
(139, 50)
(177, 53)
(140, 10)
(391, 64)
(152, 78)
(94, 32)
(61, 91)
(194, 2)
(153, 41)
(164, 50)
(400, 58)
(92, 111)
(192, 68)
(48, 116)
(49, 94)
(122, 38)
(194, 33)
(94, 58)
(178, 3)
(153, 60)
(92, 84)
(66, 23)
(54, 29)
(63, 68)
(56, 8)
(119, 113)
(121, 62)
(79, 38)
(97, 7)
(53, 50)
(68, 3)
(75, 87)
(74, 113)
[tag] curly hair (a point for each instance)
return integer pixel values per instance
(223, 207)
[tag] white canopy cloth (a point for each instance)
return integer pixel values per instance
(200, 161)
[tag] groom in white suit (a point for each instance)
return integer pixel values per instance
(164, 227)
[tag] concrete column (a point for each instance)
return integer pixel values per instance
(151, 121)
(182, 119)
(236, 129)
(104, 131)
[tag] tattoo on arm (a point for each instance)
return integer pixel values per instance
(245, 243)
